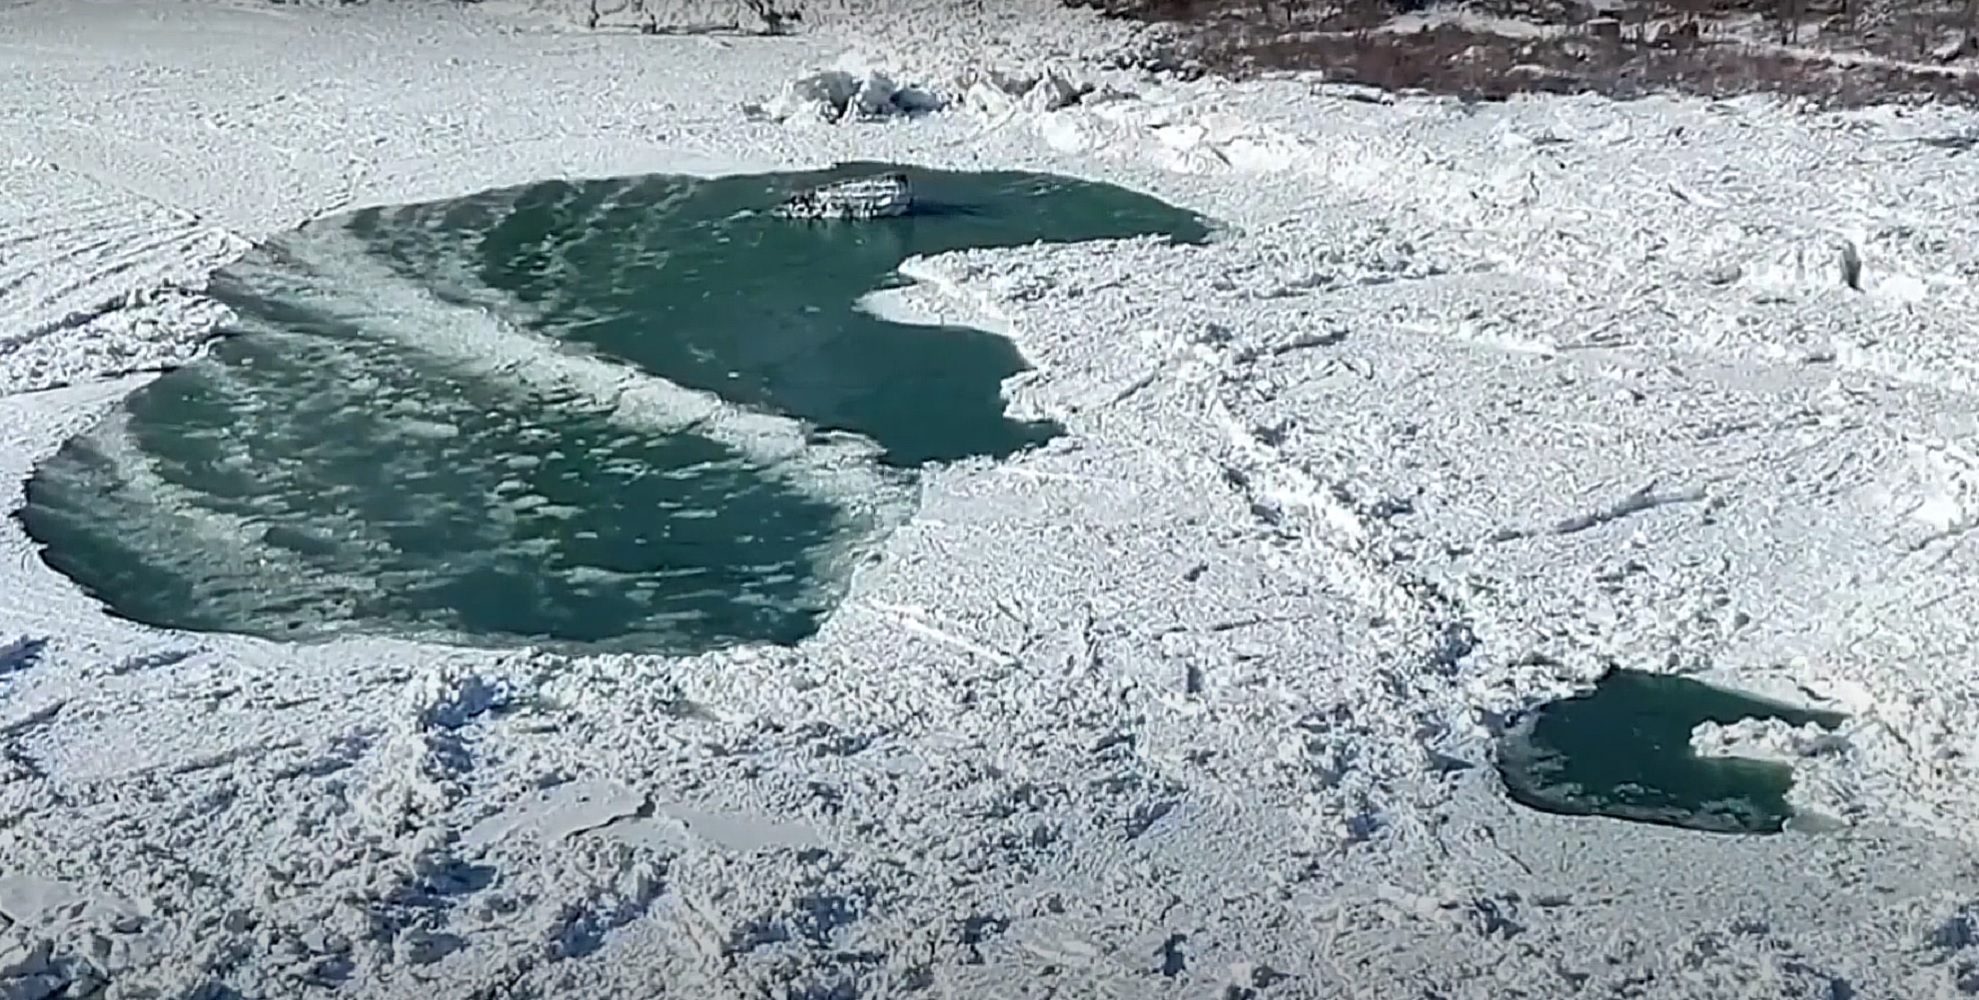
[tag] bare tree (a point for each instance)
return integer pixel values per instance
(776, 17)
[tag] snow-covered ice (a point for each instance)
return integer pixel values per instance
(1468, 403)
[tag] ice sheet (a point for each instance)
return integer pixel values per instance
(1192, 703)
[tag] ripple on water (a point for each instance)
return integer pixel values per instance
(627, 413)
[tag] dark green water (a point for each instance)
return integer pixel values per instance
(1623, 751)
(632, 413)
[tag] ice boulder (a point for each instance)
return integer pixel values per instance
(997, 91)
(849, 91)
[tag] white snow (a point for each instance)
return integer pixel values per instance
(1468, 403)
(933, 300)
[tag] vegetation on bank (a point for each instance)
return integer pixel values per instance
(1832, 52)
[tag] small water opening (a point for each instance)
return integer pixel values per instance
(630, 413)
(1622, 750)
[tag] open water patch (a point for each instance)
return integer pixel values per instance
(1623, 750)
(628, 413)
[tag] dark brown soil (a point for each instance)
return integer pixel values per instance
(1836, 53)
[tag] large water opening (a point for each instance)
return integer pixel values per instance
(1623, 750)
(631, 413)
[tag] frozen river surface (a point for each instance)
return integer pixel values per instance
(1199, 693)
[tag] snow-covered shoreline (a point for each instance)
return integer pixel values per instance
(1472, 401)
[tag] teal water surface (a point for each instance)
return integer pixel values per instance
(1622, 750)
(629, 413)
